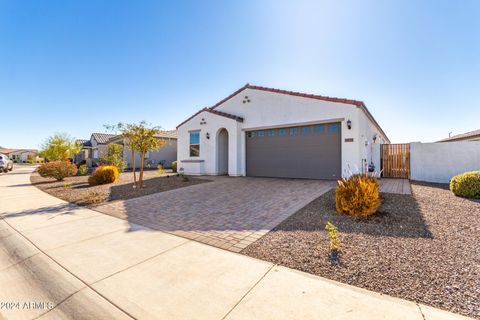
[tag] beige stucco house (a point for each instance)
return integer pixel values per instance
(94, 149)
(467, 136)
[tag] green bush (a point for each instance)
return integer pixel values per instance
(114, 157)
(83, 170)
(466, 185)
(103, 175)
(57, 170)
(174, 166)
(358, 196)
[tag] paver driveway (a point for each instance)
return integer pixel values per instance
(229, 213)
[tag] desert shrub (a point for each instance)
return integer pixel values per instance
(174, 166)
(103, 175)
(95, 197)
(358, 196)
(466, 184)
(58, 170)
(81, 163)
(160, 170)
(83, 170)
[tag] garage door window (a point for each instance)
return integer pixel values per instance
(293, 131)
(333, 127)
(319, 128)
(195, 144)
(271, 133)
(282, 132)
(305, 130)
(261, 133)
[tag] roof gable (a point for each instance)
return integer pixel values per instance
(357, 103)
(218, 113)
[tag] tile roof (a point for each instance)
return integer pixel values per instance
(103, 138)
(10, 150)
(358, 103)
(84, 143)
(463, 136)
(169, 134)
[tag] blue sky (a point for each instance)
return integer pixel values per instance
(73, 66)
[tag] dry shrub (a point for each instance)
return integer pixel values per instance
(58, 170)
(358, 196)
(103, 175)
(95, 197)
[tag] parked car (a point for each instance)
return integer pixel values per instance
(5, 163)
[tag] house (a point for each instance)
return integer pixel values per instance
(468, 136)
(94, 149)
(164, 156)
(21, 155)
(85, 151)
(265, 132)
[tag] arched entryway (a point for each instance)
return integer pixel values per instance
(222, 151)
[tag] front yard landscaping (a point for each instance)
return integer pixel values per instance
(77, 190)
(424, 247)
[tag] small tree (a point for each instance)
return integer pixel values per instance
(145, 140)
(115, 156)
(129, 132)
(59, 146)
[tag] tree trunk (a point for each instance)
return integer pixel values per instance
(133, 169)
(141, 170)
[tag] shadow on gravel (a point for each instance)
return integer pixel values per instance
(399, 216)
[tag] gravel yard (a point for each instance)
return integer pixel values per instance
(424, 248)
(77, 190)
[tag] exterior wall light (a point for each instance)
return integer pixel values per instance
(349, 124)
(208, 135)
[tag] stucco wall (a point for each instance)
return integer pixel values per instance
(267, 109)
(168, 154)
(369, 149)
(206, 163)
(439, 162)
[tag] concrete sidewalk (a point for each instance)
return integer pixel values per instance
(59, 261)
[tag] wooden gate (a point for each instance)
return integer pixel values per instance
(396, 160)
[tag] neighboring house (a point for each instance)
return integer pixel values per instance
(468, 136)
(94, 149)
(21, 155)
(164, 156)
(85, 152)
(99, 143)
(258, 131)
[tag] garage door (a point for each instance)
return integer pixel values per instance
(312, 152)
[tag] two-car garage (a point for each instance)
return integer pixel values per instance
(309, 151)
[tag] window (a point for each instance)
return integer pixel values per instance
(282, 132)
(319, 128)
(261, 133)
(95, 153)
(195, 144)
(251, 134)
(305, 130)
(272, 132)
(333, 127)
(293, 131)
